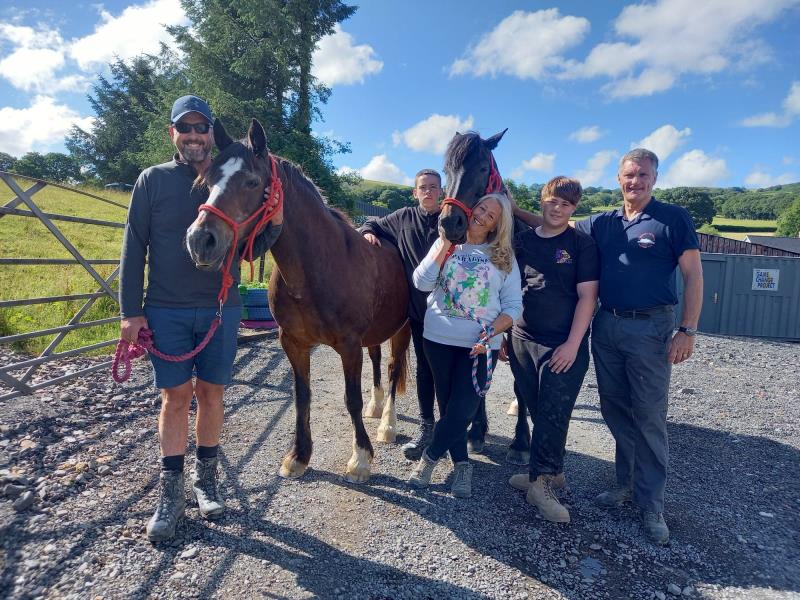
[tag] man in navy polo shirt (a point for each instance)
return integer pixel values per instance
(633, 345)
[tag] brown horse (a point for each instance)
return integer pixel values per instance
(329, 285)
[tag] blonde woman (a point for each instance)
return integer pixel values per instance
(476, 295)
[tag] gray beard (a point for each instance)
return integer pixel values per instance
(194, 155)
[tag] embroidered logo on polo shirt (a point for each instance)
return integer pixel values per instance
(563, 257)
(646, 240)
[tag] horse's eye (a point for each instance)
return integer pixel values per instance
(252, 183)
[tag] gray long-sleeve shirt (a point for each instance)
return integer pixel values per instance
(163, 205)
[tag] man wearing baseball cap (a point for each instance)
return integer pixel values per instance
(178, 305)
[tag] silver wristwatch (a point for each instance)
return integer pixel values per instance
(690, 331)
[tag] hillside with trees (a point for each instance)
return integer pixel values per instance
(250, 58)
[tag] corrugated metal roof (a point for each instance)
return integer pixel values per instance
(787, 244)
(723, 245)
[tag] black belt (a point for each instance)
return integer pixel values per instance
(638, 313)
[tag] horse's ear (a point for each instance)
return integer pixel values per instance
(492, 142)
(221, 137)
(257, 137)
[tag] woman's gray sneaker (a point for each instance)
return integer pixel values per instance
(423, 471)
(205, 488)
(462, 480)
(413, 450)
(171, 507)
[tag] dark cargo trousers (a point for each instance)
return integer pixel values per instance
(549, 399)
(630, 359)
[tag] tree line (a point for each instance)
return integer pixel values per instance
(247, 58)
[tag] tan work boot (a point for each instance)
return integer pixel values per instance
(423, 471)
(521, 482)
(541, 495)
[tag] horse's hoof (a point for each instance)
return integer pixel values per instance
(518, 457)
(358, 467)
(386, 434)
(291, 468)
(374, 408)
(513, 408)
(357, 476)
(475, 446)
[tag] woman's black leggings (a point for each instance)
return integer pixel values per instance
(452, 377)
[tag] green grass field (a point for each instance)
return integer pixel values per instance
(26, 237)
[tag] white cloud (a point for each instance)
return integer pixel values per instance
(338, 61)
(663, 141)
(380, 168)
(42, 124)
(139, 29)
(527, 45)
(672, 38)
(586, 135)
(694, 168)
(595, 168)
(761, 179)
(540, 162)
(432, 134)
(791, 110)
(37, 56)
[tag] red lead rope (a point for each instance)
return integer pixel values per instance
(126, 351)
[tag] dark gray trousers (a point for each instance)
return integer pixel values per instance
(630, 359)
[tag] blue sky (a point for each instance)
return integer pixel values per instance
(713, 87)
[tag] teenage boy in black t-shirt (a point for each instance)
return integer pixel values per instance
(549, 350)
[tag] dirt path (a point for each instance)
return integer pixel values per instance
(88, 452)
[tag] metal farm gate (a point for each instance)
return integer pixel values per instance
(18, 375)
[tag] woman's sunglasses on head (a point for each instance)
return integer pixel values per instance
(181, 127)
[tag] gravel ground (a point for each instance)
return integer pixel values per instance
(83, 460)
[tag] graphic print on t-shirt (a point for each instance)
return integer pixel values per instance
(468, 284)
(563, 257)
(534, 280)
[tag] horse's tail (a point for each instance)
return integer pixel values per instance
(399, 358)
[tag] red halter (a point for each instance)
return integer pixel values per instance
(495, 184)
(263, 214)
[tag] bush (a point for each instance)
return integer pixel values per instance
(789, 221)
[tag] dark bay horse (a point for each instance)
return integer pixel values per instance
(471, 172)
(329, 285)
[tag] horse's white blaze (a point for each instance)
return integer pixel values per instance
(456, 183)
(387, 430)
(228, 169)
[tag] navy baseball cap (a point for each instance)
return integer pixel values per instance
(186, 104)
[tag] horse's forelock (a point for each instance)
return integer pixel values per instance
(459, 148)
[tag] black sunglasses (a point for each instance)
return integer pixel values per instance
(182, 127)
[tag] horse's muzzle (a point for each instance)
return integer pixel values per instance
(454, 226)
(207, 247)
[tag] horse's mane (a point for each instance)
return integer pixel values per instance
(459, 148)
(298, 179)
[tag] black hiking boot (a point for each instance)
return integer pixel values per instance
(413, 450)
(171, 507)
(205, 489)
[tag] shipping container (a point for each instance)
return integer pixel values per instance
(754, 296)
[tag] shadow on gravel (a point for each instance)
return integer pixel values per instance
(733, 506)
